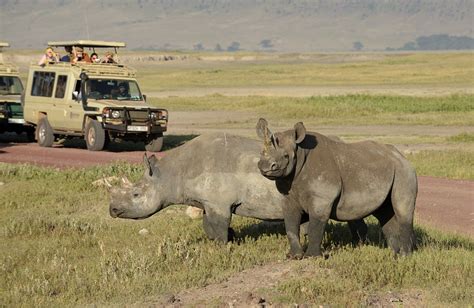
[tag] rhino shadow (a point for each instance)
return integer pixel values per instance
(336, 233)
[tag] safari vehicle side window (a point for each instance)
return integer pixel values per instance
(61, 86)
(43, 83)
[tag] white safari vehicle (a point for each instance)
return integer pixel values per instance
(11, 88)
(97, 101)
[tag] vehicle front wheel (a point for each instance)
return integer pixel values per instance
(94, 136)
(44, 133)
(155, 143)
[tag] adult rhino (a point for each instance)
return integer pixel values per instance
(217, 173)
(329, 179)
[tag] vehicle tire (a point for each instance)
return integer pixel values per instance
(94, 136)
(155, 143)
(44, 133)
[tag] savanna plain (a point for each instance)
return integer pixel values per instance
(59, 247)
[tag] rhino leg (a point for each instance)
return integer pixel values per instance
(358, 230)
(292, 217)
(390, 227)
(403, 201)
(319, 213)
(315, 236)
(216, 225)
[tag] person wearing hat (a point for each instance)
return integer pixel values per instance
(109, 57)
(80, 55)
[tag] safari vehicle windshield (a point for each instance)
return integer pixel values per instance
(10, 85)
(114, 89)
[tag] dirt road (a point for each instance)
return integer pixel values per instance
(442, 203)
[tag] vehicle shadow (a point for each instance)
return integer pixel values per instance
(169, 142)
(9, 137)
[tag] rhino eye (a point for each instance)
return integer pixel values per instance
(135, 195)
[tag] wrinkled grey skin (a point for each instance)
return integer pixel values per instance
(326, 178)
(217, 173)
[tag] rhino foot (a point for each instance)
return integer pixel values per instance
(294, 256)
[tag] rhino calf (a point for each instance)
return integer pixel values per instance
(217, 173)
(330, 179)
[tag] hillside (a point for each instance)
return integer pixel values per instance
(281, 25)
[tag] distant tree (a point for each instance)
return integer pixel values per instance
(444, 42)
(357, 46)
(266, 43)
(439, 42)
(409, 46)
(234, 46)
(198, 47)
(218, 48)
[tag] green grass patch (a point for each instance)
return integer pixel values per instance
(412, 70)
(352, 275)
(449, 164)
(464, 137)
(341, 110)
(60, 247)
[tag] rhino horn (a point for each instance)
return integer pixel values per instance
(107, 183)
(264, 133)
(126, 182)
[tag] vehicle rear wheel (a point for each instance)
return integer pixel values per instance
(95, 136)
(155, 143)
(44, 133)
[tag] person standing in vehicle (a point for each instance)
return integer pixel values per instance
(81, 56)
(68, 56)
(95, 58)
(109, 58)
(49, 57)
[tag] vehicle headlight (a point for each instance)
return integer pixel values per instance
(115, 114)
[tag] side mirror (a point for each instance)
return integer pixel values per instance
(144, 97)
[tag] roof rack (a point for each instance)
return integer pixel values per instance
(8, 68)
(96, 69)
(88, 43)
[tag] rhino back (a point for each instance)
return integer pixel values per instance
(217, 152)
(221, 170)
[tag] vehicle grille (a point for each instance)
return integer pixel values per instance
(138, 117)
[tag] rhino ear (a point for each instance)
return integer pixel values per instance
(262, 129)
(300, 132)
(148, 164)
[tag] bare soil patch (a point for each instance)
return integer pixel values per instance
(256, 287)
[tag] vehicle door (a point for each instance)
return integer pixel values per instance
(65, 101)
(75, 110)
(42, 97)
